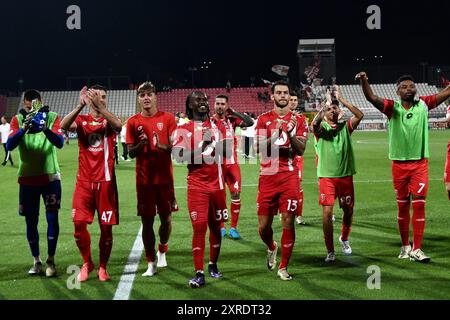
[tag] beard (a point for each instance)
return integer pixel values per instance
(281, 105)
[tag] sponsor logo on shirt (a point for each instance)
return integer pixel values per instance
(94, 140)
(95, 123)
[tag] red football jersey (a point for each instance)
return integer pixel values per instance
(285, 160)
(205, 172)
(96, 141)
(226, 126)
(153, 166)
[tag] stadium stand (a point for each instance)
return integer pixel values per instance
(123, 102)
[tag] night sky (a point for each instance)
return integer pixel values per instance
(160, 40)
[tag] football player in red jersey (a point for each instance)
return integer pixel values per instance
(148, 139)
(96, 188)
(293, 104)
(281, 135)
(225, 116)
(447, 162)
(202, 144)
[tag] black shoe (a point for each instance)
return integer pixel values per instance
(4, 163)
(213, 270)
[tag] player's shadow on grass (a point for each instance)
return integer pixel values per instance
(57, 289)
(326, 292)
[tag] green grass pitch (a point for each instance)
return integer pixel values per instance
(374, 239)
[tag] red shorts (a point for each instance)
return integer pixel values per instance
(91, 196)
(207, 205)
(341, 188)
(279, 192)
(410, 177)
(447, 165)
(155, 198)
(232, 176)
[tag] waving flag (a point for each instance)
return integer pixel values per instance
(280, 70)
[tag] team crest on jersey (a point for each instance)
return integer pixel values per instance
(84, 123)
(160, 126)
(282, 139)
(194, 215)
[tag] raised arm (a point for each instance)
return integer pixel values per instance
(247, 121)
(316, 123)
(442, 96)
(368, 93)
(68, 123)
(100, 106)
(357, 114)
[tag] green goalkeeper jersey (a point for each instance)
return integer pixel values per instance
(37, 153)
(335, 151)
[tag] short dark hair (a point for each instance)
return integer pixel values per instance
(405, 77)
(146, 86)
(222, 96)
(31, 95)
(279, 83)
(335, 102)
(98, 87)
(293, 93)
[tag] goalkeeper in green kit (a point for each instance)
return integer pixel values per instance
(36, 132)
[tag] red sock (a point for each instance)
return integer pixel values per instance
(105, 244)
(198, 244)
(300, 204)
(163, 247)
(345, 232)
(83, 241)
(148, 239)
(235, 209)
(328, 233)
(287, 245)
(215, 239)
(418, 222)
(267, 237)
(403, 220)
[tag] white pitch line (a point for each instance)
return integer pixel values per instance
(126, 280)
